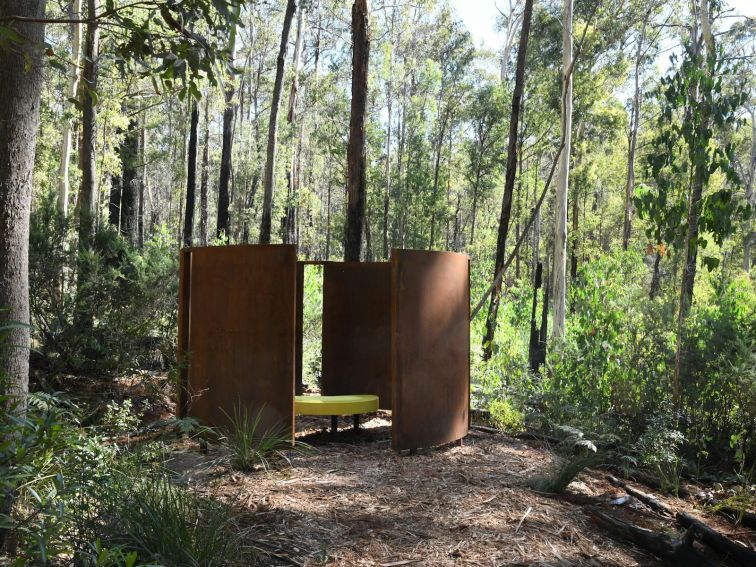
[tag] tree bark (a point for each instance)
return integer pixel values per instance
(506, 204)
(20, 86)
(562, 188)
(191, 176)
(356, 148)
(634, 122)
(69, 109)
(270, 164)
(88, 186)
(749, 196)
(204, 176)
(223, 225)
(129, 154)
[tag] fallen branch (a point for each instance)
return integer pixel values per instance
(647, 499)
(721, 543)
(530, 436)
(737, 517)
(673, 551)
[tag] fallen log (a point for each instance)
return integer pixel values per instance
(748, 519)
(647, 499)
(717, 541)
(673, 551)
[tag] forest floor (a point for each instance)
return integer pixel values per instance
(354, 501)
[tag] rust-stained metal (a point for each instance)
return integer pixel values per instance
(241, 332)
(183, 330)
(430, 362)
(356, 330)
(298, 377)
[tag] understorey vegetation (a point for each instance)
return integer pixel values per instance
(597, 165)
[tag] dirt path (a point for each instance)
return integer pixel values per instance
(360, 503)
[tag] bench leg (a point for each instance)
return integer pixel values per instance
(356, 421)
(334, 425)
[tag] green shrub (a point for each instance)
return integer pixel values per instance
(505, 417)
(128, 298)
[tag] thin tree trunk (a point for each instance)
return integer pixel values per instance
(656, 277)
(129, 154)
(191, 176)
(270, 164)
(142, 181)
(749, 196)
(223, 224)
(290, 226)
(69, 109)
(562, 188)
(356, 148)
(389, 104)
(691, 240)
(87, 188)
(204, 176)
(509, 180)
(634, 122)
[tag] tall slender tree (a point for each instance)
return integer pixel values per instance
(270, 163)
(356, 148)
(69, 108)
(559, 271)
(509, 178)
(191, 176)
(229, 113)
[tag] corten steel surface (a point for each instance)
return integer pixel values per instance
(357, 330)
(430, 361)
(183, 329)
(242, 336)
(299, 353)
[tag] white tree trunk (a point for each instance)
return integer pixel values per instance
(563, 182)
(69, 110)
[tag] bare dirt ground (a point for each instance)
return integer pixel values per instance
(354, 501)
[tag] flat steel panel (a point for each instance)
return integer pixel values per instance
(241, 343)
(430, 310)
(356, 330)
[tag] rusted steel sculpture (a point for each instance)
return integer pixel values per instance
(398, 330)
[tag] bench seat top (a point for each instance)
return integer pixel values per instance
(335, 405)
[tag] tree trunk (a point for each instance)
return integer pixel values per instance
(749, 196)
(204, 176)
(191, 176)
(691, 240)
(69, 109)
(223, 225)
(142, 187)
(506, 204)
(562, 188)
(389, 104)
(634, 122)
(270, 164)
(290, 227)
(88, 186)
(356, 148)
(129, 154)
(20, 86)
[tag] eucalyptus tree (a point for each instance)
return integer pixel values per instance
(559, 279)
(270, 163)
(688, 150)
(356, 166)
(509, 179)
